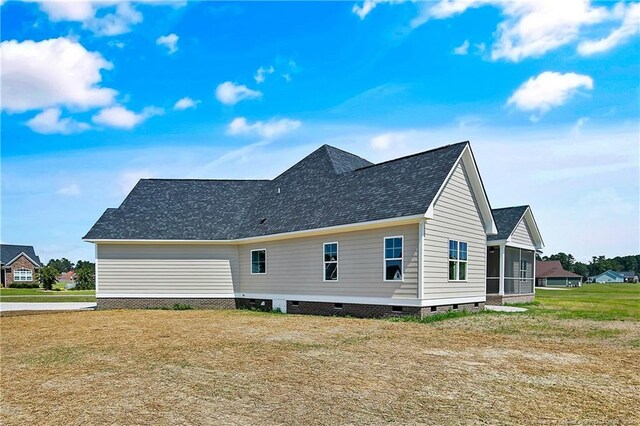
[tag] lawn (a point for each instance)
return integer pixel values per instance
(39, 295)
(241, 367)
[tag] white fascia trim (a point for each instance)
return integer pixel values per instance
(466, 156)
(533, 227)
(510, 244)
(101, 295)
(299, 297)
(25, 255)
(285, 235)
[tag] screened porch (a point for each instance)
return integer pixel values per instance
(517, 266)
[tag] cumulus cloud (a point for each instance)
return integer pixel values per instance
(630, 27)
(185, 103)
(364, 8)
(49, 122)
(530, 28)
(230, 93)
(262, 72)
(121, 118)
(69, 190)
(463, 49)
(548, 90)
(389, 140)
(169, 41)
(116, 23)
(266, 129)
(49, 73)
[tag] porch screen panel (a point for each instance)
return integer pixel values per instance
(526, 283)
(493, 270)
(511, 270)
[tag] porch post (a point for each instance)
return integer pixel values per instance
(501, 287)
(535, 280)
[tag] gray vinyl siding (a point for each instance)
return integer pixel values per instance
(167, 268)
(295, 266)
(455, 217)
(521, 234)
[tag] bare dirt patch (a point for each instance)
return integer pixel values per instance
(233, 367)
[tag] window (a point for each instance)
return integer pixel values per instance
(457, 260)
(23, 274)
(393, 258)
(259, 261)
(337, 306)
(523, 269)
(330, 261)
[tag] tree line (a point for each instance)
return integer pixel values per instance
(84, 273)
(597, 264)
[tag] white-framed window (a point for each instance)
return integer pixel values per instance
(330, 261)
(259, 261)
(393, 260)
(457, 260)
(22, 274)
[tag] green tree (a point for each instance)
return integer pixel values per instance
(48, 276)
(581, 268)
(61, 265)
(85, 277)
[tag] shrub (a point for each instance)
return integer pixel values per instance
(181, 307)
(24, 285)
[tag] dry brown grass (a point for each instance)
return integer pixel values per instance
(239, 367)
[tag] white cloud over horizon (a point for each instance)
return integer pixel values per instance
(548, 90)
(51, 73)
(230, 93)
(265, 129)
(185, 103)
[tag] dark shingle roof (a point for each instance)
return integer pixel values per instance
(506, 219)
(329, 187)
(9, 251)
(553, 269)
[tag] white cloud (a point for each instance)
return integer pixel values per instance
(185, 103)
(49, 122)
(230, 93)
(70, 190)
(122, 118)
(116, 23)
(77, 11)
(630, 27)
(262, 71)
(54, 72)
(463, 49)
(389, 140)
(266, 129)
(548, 90)
(169, 41)
(531, 28)
(363, 9)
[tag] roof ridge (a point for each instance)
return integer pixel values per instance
(511, 207)
(208, 180)
(414, 155)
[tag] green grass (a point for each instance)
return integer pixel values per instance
(601, 302)
(34, 295)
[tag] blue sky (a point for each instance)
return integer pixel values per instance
(98, 95)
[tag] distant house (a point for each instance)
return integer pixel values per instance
(511, 256)
(67, 277)
(550, 273)
(609, 276)
(19, 264)
(630, 276)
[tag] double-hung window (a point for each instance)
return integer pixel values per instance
(457, 260)
(393, 258)
(22, 274)
(523, 269)
(330, 261)
(259, 261)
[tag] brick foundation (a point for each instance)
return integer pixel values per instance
(496, 299)
(305, 308)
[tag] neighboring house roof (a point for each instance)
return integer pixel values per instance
(329, 187)
(613, 274)
(553, 269)
(628, 274)
(66, 276)
(507, 220)
(10, 252)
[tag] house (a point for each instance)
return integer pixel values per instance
(550, 273)
(511, 254)
(608, 276)
(67, 277)
(630, 276)
(333, 234)
(18, 264)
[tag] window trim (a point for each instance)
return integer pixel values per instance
(337, 262)
(458, 261)
(251, 262)
(384, 259)
(28, 278)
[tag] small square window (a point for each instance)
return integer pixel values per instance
(434, 308)
(337, 306)
(396, 309)
(295, 303)
(455, 307)
(475, 305)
